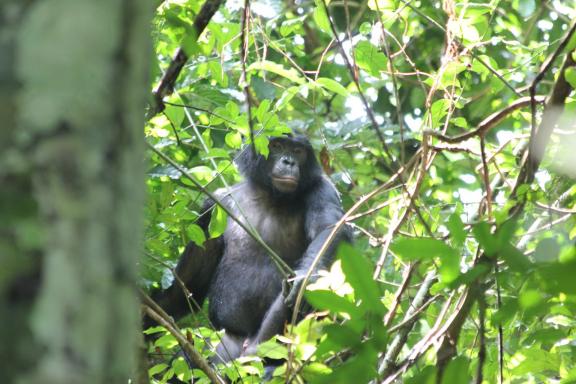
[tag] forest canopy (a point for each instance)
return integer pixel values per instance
(449, 129)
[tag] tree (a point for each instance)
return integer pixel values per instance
(73, 76)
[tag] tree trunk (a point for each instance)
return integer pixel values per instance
(73, 80)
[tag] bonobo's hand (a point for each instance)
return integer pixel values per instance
(290, 290)
(250, 347)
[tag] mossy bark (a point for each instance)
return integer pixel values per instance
(73, 81)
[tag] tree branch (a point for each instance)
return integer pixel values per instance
(166, 85)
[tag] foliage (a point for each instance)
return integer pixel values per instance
(492, 227)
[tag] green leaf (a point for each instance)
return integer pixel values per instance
(570, 75)
(272, 350)
(369, 58)
(270, 66)
(358, 272)
(181, 369)
(157, 369)
(321, 18)
(558, 277)
(313, 371)
(456, 228)
(261, 144)
(233, 139)
(438, 110)
(196, 234)
(328, 300)
(482, 232)
(333, 86)
(218, 222)
(535, 360)
(423, 249)
(457, 371)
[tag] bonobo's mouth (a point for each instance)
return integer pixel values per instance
(285, 183)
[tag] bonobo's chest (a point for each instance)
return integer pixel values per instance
(281, 226)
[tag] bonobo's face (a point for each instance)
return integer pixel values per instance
(286, 158)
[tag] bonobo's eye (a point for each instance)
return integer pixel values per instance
(275, 146)
(300, 153)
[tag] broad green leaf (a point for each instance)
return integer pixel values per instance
(218, 222)
(328, 300)
(270, 66)
(457, 371)
(369, 58)
(321, 18)
(358, 272)
(261, 144)
(202, 173)
(272, 350)
(181, 369)
(333, 86)
(456, 228)
(233, 139)
(488, 241)
(196, 234)
(426, 249)
(313, 371)
(157, 369)
(570, 75)
(557, 278)
(529, 299)
(535, 360)
(438, 110)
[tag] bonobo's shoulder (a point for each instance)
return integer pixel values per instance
(225, 194)
(324, 190)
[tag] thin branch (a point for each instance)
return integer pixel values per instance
(166, 85)
(244, 78)
(399, 292)
(486, 177)
(482, 332)
(387, 363)
(487, 123)
(156, 313)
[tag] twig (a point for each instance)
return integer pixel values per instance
(500, 330)
(488, 122)
(156, 313)
(244, 79)
(486, 177)
(166, 85)
(399, 292)
(387, 363)
(482, 332)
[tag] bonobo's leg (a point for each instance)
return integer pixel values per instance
(273, 324)
(195, 268)
(230, 348)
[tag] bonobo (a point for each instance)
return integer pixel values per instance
(288, 200)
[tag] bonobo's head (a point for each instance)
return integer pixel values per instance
(290, 169)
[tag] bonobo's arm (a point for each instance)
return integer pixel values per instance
(323, 210)
(195, 268)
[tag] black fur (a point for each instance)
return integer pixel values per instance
(240, 279)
